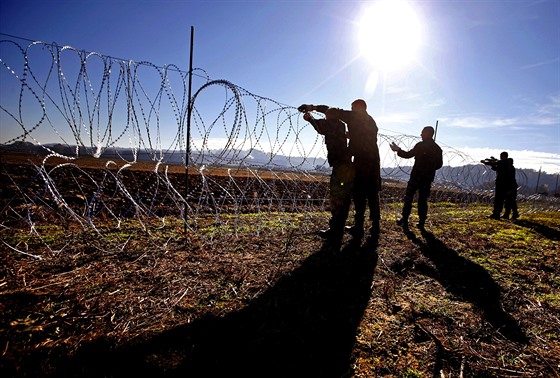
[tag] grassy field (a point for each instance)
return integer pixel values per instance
(263, 296)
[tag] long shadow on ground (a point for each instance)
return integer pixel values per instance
(545, 231)
(468, 281)
(303, 326)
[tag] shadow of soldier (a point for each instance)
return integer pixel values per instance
(305, 325)
(545, 231)
(469, 282)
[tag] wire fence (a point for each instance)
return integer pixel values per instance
(92, 144)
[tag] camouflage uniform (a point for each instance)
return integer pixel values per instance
(342, 176)
(362, 134)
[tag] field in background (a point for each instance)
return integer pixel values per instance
(87, 162)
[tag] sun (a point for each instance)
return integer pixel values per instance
(390, 34)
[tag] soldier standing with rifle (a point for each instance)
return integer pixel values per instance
(503, 181)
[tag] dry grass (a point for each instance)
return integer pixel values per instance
(261, 295)
(472, 296)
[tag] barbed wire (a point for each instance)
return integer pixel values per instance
(109, 141)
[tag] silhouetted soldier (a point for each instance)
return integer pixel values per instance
(511, 192)
(362, 135)
(342, 176)
(502, 182)
(428, 158)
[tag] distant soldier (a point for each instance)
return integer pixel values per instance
(428, 158)
(503, 181)
(511, 192)
(342, 176)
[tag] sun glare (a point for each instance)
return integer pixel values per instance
(390, 34)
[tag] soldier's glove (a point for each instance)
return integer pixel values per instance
(305, 108)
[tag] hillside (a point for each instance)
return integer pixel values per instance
(464, 177)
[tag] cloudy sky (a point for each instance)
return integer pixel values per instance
(487, 71)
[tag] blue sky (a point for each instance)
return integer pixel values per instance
(488, 71)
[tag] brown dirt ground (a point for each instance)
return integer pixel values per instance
(455, 300)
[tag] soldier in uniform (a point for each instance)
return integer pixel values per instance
(502, 169)
(428, 158)
(342, 176)
(511, 193)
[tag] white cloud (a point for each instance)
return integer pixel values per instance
(396, 119)
(437, 103)
(548, 113)
(539, 64)
(480, 122)
(541, 114)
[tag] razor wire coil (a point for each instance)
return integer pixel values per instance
(110, 141)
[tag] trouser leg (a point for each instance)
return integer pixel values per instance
(340, 197)
(499, 198)
(423, 195)
(360, 209)
(507, 209)
(408, 198)
(366, 193)
(513, 204)
(374, 204)
(359, 196)
(374, 210)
